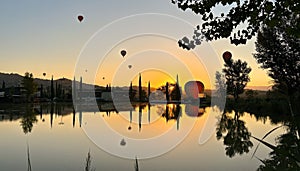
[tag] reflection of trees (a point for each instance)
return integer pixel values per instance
(28, 119)
(172, 111)
(235, 134)
(286, 155)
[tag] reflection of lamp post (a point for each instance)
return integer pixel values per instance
(61, 122)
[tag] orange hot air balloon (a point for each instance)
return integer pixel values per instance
(227, 56)
(193, 89)
(123, 53)
(80, 18)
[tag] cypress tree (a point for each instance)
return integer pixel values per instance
(3, 84)
(167, 92)
(52, 89)
(149, 90)
(140, 87)
(74, 89)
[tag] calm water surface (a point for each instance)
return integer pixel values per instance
(57, 139)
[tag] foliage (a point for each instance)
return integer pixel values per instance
(3, 85)
(279, 53)
(88, 163)
(234, 133)
(175, 93)
(28, 119)
(29, 85)
(248, 13)
(237, 77)
(220, 85)
(286, 155)
(52, 89)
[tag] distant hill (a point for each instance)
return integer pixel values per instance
(262, 88)
(15, 80)
(10, 79)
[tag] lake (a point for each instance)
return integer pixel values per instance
(173, 137)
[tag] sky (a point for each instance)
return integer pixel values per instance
(46, 37)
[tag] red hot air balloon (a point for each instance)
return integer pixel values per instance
(80, 18)
(227, 56)
(123, 53)
(193, 89)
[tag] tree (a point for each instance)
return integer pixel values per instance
(175, 93)
(237, 77)
(140, 88)
(3, 85)
(52, 89)
(248, 15)
(220, 85)
(29, 85)
(279, 53)
(42, 91)
(167, 92)
(132, 92)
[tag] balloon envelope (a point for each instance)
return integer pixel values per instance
(193, 89)
(80, 18)
(44, 74)
(227, 56)
(129, 66)
(123, 53)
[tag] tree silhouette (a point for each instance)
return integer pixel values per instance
(167, 92)
(29, 85)
(175, 93)
(3, 85)
(220, 85)
(52, 89)
(237, 77)
(278, 52)
(140, 88)
(132, 92)
(251, 14)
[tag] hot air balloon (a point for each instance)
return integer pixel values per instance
(193, 110)
(103, 78)
(227, 56)
(193, 89)
(123, 142)
(129, 66)
(123, 53)
(44, 74)
(80, 18)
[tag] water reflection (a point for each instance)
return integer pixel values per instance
(29, 114)
(232, 128)
(234, 133)
(28, 119)
(286, 155)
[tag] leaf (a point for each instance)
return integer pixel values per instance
(264, 138)
(265, 143)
